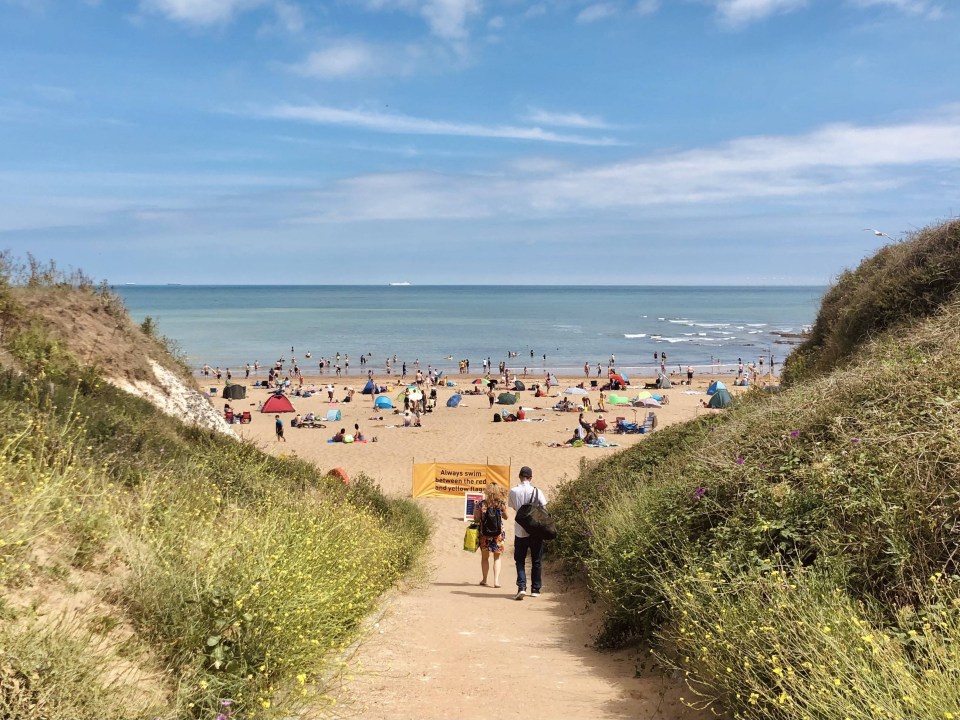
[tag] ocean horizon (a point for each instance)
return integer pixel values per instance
(438, 325)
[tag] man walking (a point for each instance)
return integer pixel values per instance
(520, 495)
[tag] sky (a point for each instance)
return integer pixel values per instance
(475, 141)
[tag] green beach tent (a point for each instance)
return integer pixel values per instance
(720, 399)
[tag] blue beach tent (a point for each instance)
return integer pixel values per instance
(369, 388)
(714, 386)
(383, 403)
(454, 400)
(333, 415)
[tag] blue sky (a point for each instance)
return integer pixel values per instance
(474, 141)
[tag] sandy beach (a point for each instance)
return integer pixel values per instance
(425, 644)
(463, 434)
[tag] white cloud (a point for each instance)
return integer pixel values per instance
(408, 125)
(200, 12)
(598, 11)
(289, 16)
(927, 8)
(832, 162)
(447, 18)
(544, 117)
(646, 7)
(345, 58)
(535, 10)
(737, 13)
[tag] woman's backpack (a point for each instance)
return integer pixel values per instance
(491, 521)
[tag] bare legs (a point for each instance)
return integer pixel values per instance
(484, 564)
(485, 567)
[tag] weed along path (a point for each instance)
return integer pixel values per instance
(447, 647)
(451, 648)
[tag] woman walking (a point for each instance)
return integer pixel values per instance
(490, 514)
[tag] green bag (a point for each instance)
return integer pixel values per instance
(471, 538)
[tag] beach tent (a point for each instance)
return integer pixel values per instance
(277, 404)
(643, 395)
(618, 400)
(413, 390)
(454, 400)
(235, 392)
(517, 385)
(506, 399)
(333, 415)
(720, 399)
(663, 382)
(480, 381)
(575, 391)
(370, 388)
(648, 402)
(714, 386)
(552, 381)
(383, 403)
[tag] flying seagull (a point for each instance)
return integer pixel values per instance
(878, 233)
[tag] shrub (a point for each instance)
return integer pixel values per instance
(786, 643)
(901, 283)
(57, 670)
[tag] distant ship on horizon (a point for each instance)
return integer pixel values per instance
(399, 284)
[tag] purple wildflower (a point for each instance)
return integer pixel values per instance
(221, 716)
(739, 461)
(699, 493)
(854, 440)
(226, 703)
(794, 433)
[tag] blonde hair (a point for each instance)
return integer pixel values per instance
(495, 495)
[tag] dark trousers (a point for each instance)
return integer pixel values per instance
(520, 547)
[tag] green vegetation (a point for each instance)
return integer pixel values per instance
(903, 282)
(796, 556)
(141, 554)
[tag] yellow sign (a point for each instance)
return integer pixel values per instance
(455, 479)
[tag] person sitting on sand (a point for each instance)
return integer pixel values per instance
(581, 421)
(357, 435)
(407, 418)
(341, 434)
(521, 415)
(297, 422)
(600, 425)
(309, 417)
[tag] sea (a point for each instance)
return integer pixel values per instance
(537, 328)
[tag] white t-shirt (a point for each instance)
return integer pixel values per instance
(520, 496)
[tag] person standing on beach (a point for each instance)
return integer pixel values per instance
(586, 369)
(279, 429)
(689, 375)
(520, 495)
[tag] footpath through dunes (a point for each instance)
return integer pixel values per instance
(452, 648)
(449, 647)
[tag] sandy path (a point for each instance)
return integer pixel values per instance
(451, 647)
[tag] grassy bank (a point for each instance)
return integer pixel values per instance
(795, 556)
(153, 569)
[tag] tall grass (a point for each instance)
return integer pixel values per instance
(901, 283)
(244, 575)
(848, 485)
